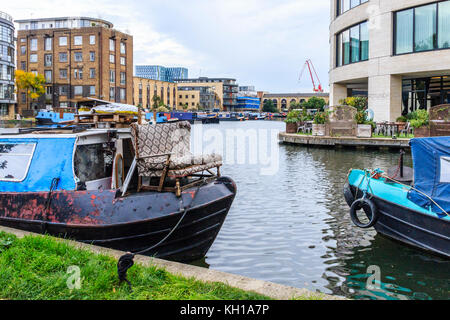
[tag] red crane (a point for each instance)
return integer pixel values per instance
(311, 69)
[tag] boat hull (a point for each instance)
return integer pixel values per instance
(410, 227)
(133, 223)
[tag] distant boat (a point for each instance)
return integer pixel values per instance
(45, 117)
(415, 213)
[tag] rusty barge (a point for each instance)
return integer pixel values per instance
(124, 188)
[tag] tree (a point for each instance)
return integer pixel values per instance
(157, 102)
(31, 83)
(295, 105)
(315, 103)
(185, 106)
(269, 107)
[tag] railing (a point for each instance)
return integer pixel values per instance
(5, 16)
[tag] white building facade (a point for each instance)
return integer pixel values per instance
(396, 52)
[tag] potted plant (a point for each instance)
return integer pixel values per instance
(319, 124)
(401, 122)
(364, 129)
(420, 122)
(292, 121)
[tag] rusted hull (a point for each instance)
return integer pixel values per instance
(131, 224)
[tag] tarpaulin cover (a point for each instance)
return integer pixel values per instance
(431, 158)
(52, 158)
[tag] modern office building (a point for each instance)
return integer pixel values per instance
(7, 67)
(395, 52)
(247, 91)
(161, 73)
(226, 89)
(203, 98)
(248, 104)
(80, 58)
(144, 90)
(283, 101)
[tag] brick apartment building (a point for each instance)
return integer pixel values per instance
(79, 57)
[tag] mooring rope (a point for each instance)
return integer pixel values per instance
(127, 260)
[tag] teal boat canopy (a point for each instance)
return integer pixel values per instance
(30, 164)
(431, 157)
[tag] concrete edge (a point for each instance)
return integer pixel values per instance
(269, 289)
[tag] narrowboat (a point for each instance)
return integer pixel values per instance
(107, 187)
(413, 210)
(46, 117)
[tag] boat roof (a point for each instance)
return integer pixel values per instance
(56, 133)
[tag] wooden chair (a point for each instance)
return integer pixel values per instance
(163, 151)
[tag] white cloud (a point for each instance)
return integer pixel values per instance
(259, 42)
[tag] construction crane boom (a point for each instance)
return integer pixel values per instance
(312, 72)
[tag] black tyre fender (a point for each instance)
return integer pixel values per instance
(348, 195)
(370, 210)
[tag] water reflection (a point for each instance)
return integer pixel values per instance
(294, 228)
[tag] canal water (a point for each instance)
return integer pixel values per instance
(293, 227)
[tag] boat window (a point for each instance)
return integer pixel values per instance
(445, 169)
(93, 162)
(15, 160)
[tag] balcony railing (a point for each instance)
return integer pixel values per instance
(5, 16)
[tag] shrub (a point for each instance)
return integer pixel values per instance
(321, 118)
(420, 118)
(402, 119)
(293, 116)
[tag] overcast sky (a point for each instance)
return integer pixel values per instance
(259, 42)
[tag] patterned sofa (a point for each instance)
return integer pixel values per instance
(163, 150)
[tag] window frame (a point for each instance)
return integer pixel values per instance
(337, 41)
(28, 165)
(394, 45)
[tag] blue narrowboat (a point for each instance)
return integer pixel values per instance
(414, 213)
(45, 117)
(84, 184)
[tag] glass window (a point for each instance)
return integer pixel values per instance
(92, 56)
(346, 47)
(92, 90)
(123, 48)
(63, 41)
(111, 58)
(33, 44)
(354, 39)
(123, 61)
(48, 44)
(63, 73)
(48, 59)
(112, 76)
(444, 25)
(78, 90)
(92, 39)
(78, 56)
(48, 76)
(112, 45)
(92, 73)
(364, 37)
(33, 57)
(78, 40)
(404, 32)
(15, 160)
(425, 28)
(63, 57)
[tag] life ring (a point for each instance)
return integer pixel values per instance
(370, 210)
(348, 195)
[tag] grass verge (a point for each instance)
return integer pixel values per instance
(36, 268)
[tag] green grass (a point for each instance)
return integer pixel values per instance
(35, 268)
